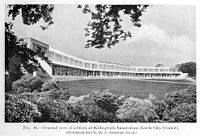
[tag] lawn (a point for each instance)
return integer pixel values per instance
(135, 88)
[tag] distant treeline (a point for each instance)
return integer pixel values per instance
(188, 67)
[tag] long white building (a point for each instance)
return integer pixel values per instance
(64, 66)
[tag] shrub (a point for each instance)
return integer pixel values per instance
(106, 100)
(64, 94)
(159, 107)
(51, 106)
(182, 113)
(19, 110)
(28, 83)
(55, 110)
(136, 110)
(56, 94)
(180, 106)
(152, 98)
(73, 99)
(86, 110)
(29, 96)
(173, 99)
(8, 83)
(55, 105)
(49, 85)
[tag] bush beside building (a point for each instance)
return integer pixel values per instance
(35, 102)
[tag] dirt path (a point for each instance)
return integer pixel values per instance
(193, 82)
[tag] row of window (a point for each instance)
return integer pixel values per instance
(134, 69)
(64, 59)
(103, 66)
(67, 71)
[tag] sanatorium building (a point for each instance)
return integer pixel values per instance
(65, 66)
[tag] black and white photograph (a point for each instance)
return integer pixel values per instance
(100, 63)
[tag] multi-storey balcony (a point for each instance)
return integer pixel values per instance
(96, 66)
(64, 64)
(89, 65)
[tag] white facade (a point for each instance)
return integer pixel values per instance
(64, 64)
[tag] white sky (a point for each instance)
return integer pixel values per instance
(167, 36)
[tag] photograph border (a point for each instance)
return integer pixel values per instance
(25, 129)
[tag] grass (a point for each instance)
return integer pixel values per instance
(135, 88)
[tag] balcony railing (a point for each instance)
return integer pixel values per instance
(67, 60)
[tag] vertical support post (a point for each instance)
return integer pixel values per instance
(60, 70)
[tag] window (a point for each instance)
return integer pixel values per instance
(145, 69)
(50, 55)
(139, 69)
(58, 57)
(38, 48)
(71, 61)
(151, 70)
(65, 59)
(87, 65)
(133, 69)
(80, 63)
(101, 66)
(94, 66)
(113, 67)
(56, 71)
(63, 71)
(162, 70)
(156, 70)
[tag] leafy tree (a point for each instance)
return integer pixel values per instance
(159, 65)
(105, 28)
(189, 67)
(14, 52)
(16, 55)
(31, 14)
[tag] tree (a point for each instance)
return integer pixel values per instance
(188, 67)
(31, 14)
(17, 55)
(105, 28)
(159, 65)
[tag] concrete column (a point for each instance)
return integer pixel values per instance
(60, 70)
(100, 73)
(53, 56)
